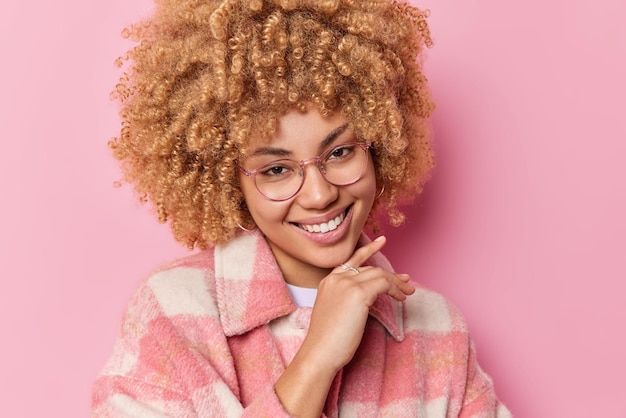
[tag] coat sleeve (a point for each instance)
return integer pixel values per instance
(172, 358)
(480, 400)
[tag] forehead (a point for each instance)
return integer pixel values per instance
(297, 130)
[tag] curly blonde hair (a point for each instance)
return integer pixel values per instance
(206, 74)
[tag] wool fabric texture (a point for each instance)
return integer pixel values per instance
(209, 335)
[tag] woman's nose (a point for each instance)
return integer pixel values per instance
(316, 191)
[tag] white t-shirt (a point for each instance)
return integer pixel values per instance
(304, 297)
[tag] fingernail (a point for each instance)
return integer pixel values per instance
(380, 238)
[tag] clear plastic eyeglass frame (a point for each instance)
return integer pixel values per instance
(322, 161)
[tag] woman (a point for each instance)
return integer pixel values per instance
(266, 133)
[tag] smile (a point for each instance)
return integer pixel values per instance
(324, 227)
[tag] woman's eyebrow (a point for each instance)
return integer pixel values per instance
(281, 152)
(333, 135)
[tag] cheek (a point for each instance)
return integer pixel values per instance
(368, 185)
(268, 217)
(263, 211)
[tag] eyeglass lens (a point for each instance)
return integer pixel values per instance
(342, 165)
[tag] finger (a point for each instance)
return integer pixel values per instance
(400, 293)
(361, 255)
(404, 277)
(400, 289)
(380, 285)
(398, 281)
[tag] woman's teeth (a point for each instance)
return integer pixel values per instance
(325, 227)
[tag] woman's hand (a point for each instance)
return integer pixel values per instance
(342, 306)
(338, 320)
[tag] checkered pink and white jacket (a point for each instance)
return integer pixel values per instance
(209, 335)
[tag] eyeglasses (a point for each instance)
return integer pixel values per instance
(282, 179)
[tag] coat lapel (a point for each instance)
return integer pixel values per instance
(250, 288)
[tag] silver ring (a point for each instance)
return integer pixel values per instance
(347, 267)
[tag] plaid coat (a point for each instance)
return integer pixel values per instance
(209, 335)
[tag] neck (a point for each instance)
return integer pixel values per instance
(298, 273)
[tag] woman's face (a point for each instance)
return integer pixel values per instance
(306, 257)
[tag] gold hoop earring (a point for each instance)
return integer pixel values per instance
(243, 228)
(381, 192)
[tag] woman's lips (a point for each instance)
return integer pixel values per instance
(330, 231)
(324, 227)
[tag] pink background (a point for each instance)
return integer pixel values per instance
(523, 226)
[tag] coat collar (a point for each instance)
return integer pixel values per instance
(251, 290)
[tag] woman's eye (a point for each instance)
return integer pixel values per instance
(341, 152)
(275, 170)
